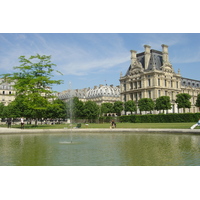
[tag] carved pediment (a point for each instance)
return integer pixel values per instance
(136, 64)
(136, 68)
(167, 64)
(167, 67)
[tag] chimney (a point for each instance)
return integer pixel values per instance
(165, 53)
(147, 56)
(133, 56)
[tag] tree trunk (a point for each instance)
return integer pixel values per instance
(36, 122)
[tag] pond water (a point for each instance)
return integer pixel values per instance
(100, 149)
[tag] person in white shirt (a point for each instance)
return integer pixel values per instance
(22, 123)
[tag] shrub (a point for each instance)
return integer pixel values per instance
(161, 118)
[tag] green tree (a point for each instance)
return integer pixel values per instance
(20, 108)
(198, 101)
(33, 81)
(1, 110)
(129, 106)
(91, 110)
(56, 109)
(118, 107)
(78, 107)
(146, 104)
(8, 111)
(106, 108)
(75, 108)
(163, 103)
(183, 101)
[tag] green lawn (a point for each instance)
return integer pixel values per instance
(119, 125)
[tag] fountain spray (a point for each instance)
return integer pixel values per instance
(70, 108)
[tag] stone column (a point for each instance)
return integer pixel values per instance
(133, 56)
(144, 94)
(165, 53)
(147, 56)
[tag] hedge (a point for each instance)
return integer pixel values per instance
(107, 119)
(161, 118)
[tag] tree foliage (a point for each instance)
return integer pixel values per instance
(56, 109)
(146, 104)
(20, 107)
(91, 110)
(77, 107)
(129, 106)
(74, 108)
(118, 107)
(33, 82)
(198, 101)
(163, 103)
(1, 109)
(8, 111)
(106, 108)
(183, 101)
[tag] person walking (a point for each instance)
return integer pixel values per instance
(9, 121)
(22, 123)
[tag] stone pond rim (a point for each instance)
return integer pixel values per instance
(97, 130)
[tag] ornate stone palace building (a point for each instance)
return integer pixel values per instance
(7, 93)
(99, 94)
(151, 75)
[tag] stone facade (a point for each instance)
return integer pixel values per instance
(99, 94)
(151, 75)
(7, 93)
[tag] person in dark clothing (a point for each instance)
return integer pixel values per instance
(9, 120)
(112, 124)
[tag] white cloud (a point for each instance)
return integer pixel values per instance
(155, 40)
(180, 48)
(186, 58)
(79, 56)
(99, 52)
(89, 66)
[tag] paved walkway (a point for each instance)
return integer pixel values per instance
(96, 130)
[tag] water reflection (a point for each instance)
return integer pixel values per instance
(103, 149)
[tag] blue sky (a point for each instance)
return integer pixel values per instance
(89, 59)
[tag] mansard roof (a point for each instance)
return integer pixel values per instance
(156, 60)
(148, 60)
(186, 82)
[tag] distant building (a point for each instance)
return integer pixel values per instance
(151, 75)
(7, 93)
(99, 94)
